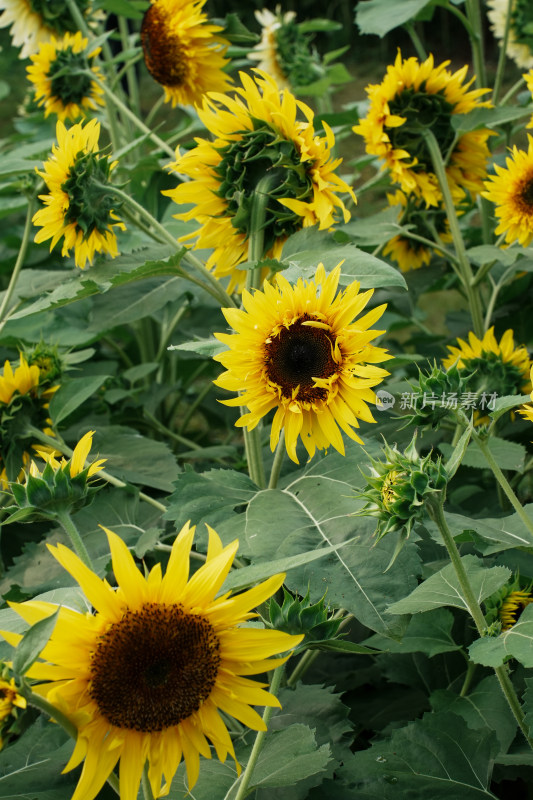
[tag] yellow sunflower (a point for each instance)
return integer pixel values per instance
(257, 134)
(75, 464)
(36, 21)
(520, 38)
(70, 95)
(300, 350)
(24, 401)
(144, 678)
(183, 52)
(527, 410)
(414, 96)
(511, 190)
(408, 253)
(512, 606)
(10, 702)
(80, 205)
(496, 369)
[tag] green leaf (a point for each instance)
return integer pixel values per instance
(435, 757)
(289, 756)
(498, 533)
(303, 251)
(528, 704)
(381, 16)
(134, 301)
(429, 632)
(342, 646)
(508, 455)
(375, 229)
(493, 651)
(485, 253)
(489, 117)
(204, 347)
(442, 589)
(134, 458)
(456, 455)
(72, 394)
(34, 640)
(124, 8)
(483, 708)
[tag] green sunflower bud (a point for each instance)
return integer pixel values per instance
(62, 487)
(51, 364)
(504, 607)
(300, 616)
(399, 488)
(437, 395)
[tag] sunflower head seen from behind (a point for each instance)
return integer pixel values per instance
(412, 98)
(258, 139)
(410, 253)
(79, 206)
(303, 352)
(138, 694)
(59, 75)
(183, 52)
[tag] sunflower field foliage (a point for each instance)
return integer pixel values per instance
(266, 401)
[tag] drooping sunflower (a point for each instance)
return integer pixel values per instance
(70, 94)
(10, 704)
(520, 36)
(24, 402)
(301, 350)
(257, 135)
(496, 368)
(36, 21)
(409, 253)
(511, 190)
(183, 52)
(284, 51)
(512, 606)
(527, 410)
(416, 96)
(145, 676)
(80, 203)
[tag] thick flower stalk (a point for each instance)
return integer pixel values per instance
(59, 74)
(137, 694)
(79, 207)
(35, 21)
(184, 52)
(304, 352)
(414, 97)
(257, 137)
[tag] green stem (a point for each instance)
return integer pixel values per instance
(18, 263)
(54, 713)
(461, 17)
(417, 42)
(503, 55)
(504, 483)
(470, 669)
(123, 108)
(278, 461)
(133, 89)
(244, 780)
(217, 290)
(515, 88)
(436, 512)
(75, 539)
(146, 786)
(464, 264)
(473, 14)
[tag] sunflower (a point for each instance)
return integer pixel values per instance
(10, 703)
(495, 369)
(74, 465)
(257, 134)
(80, 204)
(145, 677)
(36, 21)
(408, 253)
(527, 410)
(183, 52)
(512, 606)
(511, 190)
(24, 401)
(520, 37)
(417, 96)
(284, 51)
(299, 350)
(68, 94)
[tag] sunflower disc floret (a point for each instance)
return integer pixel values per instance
(257, 135)
(415, 97)
(303, 352)
(136, 693)
(80, 205)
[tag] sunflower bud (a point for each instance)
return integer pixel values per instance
(400, 487)
(504, 607)
(438, 394)
(62, 486)
(300, 616)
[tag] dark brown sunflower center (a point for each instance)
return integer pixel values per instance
(154, 668)
(163, 51)
(525, 195)
(298, 355)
